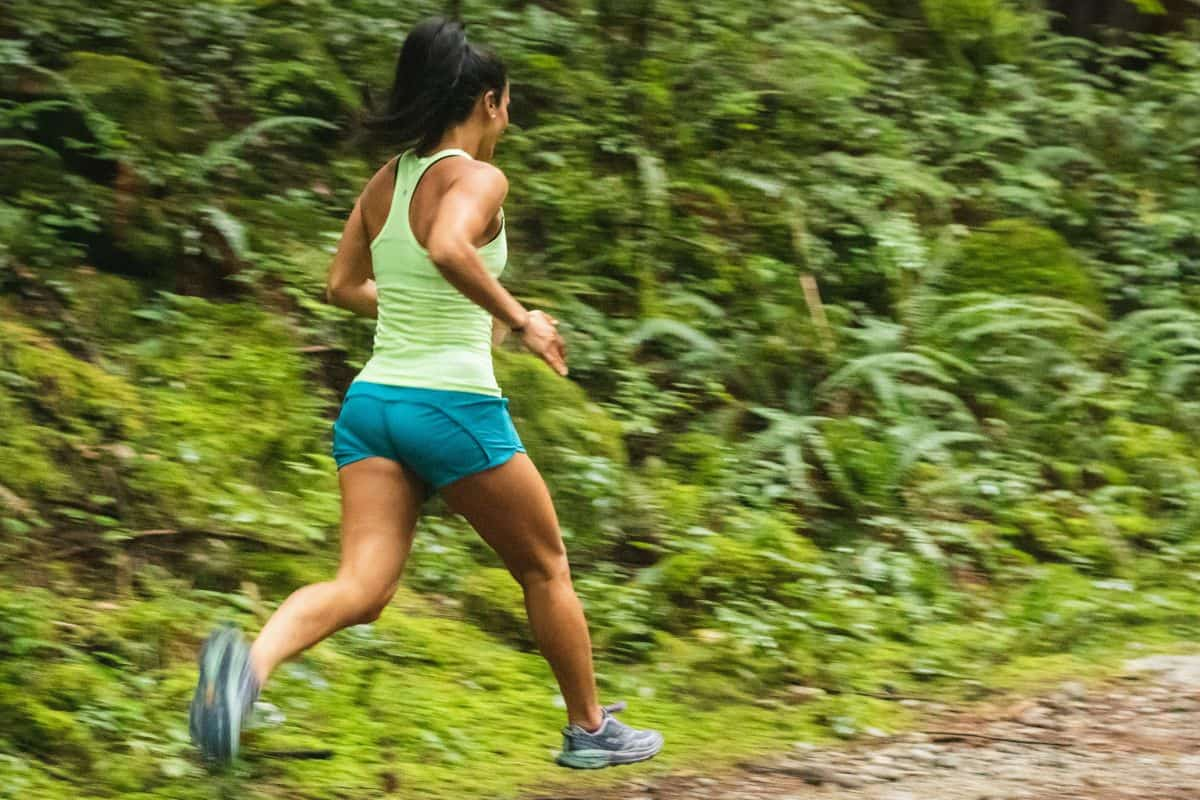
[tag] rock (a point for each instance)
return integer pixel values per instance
(846, 780)
(882, 773)
(811, 773)
(1179, 670)
(561, 428)
(923, 755)
(1038, 717)
(1074, 690)
(803, 694)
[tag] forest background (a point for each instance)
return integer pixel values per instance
(884, 323)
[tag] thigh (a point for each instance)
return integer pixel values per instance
(381, 500)
(510, 507)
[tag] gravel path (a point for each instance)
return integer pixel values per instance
(1138, 737)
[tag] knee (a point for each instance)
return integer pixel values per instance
(366, 604)
(553, 568)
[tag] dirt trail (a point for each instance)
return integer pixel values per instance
(1135, 737)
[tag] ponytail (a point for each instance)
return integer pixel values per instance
(439, 77)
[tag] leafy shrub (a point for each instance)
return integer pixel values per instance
(292, 73)
(755, 556)
(980, 32)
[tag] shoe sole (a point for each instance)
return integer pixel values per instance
(599, 759)
(210, 726)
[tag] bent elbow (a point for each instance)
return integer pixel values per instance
(444, 254)
(335, 294)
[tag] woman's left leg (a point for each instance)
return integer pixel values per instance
(381, 500)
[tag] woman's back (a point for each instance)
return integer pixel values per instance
(428, 334)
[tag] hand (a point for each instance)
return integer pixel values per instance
(540, 336)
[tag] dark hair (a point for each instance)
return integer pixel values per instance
(439, 76)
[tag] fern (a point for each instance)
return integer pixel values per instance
(794, 445)
(24, 144)
(656, 327)
(224, 153)
(918, 442)
(894, 381)
(1165, 343)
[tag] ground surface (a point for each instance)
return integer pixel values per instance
(1133, 737)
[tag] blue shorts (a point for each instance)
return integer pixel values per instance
(441, 435)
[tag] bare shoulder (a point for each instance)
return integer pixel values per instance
(375, 200)
(480, 177)
(383, 181)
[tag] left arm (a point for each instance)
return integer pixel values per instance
(351, 283)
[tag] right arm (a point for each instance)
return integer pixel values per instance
(463, 216)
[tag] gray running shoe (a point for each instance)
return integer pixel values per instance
(614, 743)
(225, 695)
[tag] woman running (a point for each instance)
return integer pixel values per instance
(422, 252)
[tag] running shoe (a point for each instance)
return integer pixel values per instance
(612, 744)
(225, 695)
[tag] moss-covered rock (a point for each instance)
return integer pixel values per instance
(555, 412)
(131, 92)
(102, 303)
(26, 463)
(1016, 256)
(80, 397)
(495, 602)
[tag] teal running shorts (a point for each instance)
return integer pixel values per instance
(441, 435)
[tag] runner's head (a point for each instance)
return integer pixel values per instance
(443, 81)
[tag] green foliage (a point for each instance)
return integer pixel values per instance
(493, 600)
(290, 72)
(576, 445)
(754, 558)
(980, 32)
(975, 440)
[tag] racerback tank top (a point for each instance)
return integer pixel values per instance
(427, 334)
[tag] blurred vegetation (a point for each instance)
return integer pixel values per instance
(885, 336)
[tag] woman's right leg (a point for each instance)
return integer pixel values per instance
(511, 509)
(381, 500)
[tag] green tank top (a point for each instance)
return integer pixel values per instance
(427, 334)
